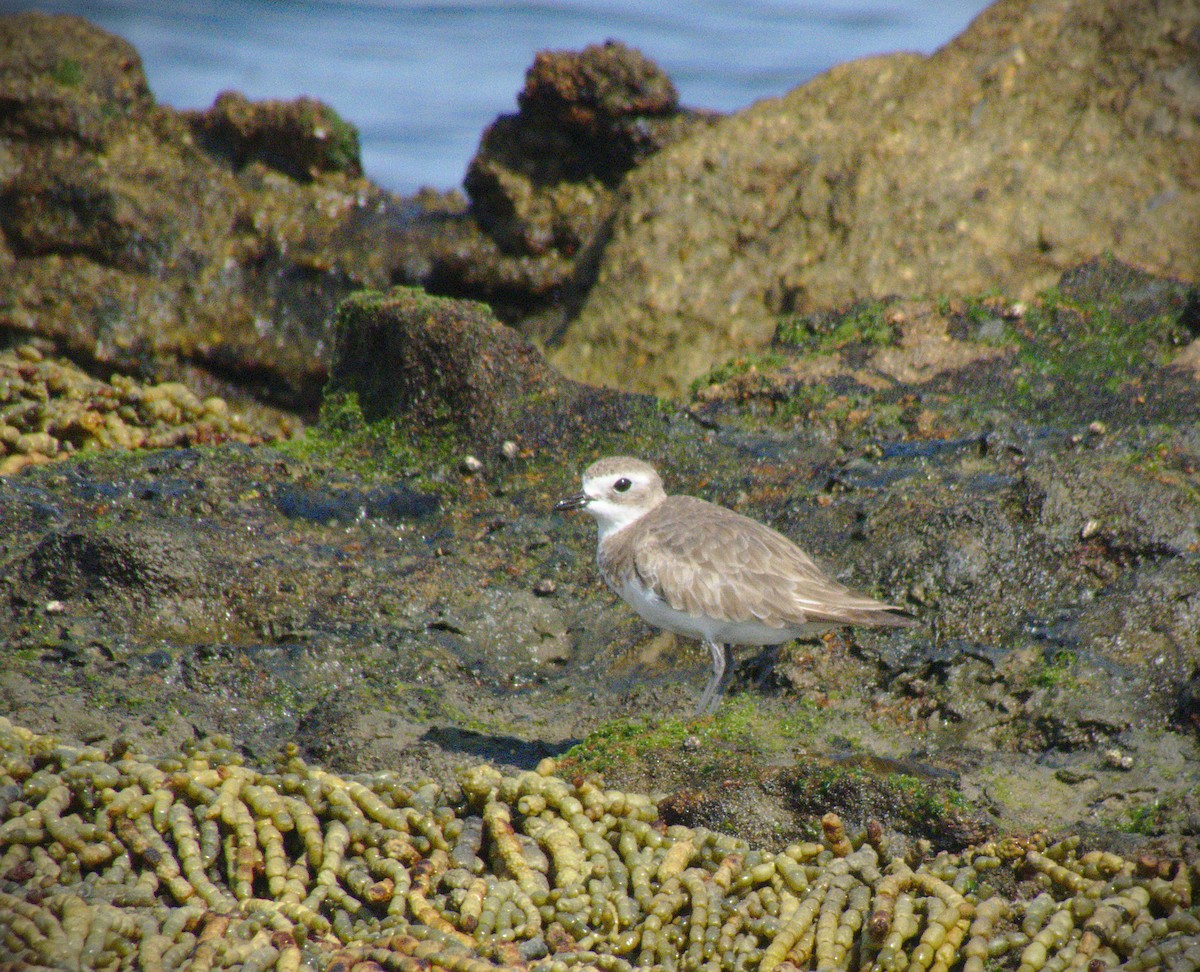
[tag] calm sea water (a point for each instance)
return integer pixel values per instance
(422, 80)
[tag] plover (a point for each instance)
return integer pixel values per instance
(706, 572)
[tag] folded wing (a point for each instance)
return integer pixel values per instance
(705, 559)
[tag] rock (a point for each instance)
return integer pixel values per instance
(1044, 135)
(300, 138)
(514, 633)
(62, 77)
(542, 178)
(938, 446)
(1121, 514)
(93, 564)
(211, 247)
(542, 185)
(449, 368)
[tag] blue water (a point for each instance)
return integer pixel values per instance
(422, 80)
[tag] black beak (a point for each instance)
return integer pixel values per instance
(576, 502)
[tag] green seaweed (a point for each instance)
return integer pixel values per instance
(922, 805)
(1089, 342)
(1057, 671)
(740, 365)
(342, 145)
(1146, 819)
(344, 438)
(864, 323)
(740, 722)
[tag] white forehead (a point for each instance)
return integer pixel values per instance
(614, 467)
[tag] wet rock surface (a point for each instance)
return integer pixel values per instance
(374, 595)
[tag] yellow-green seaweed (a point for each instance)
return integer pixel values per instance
(194, 860)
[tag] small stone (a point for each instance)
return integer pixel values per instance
(55, 607)
(545, 587)
(470, 465)
(1098, 428)
(509, 450)
(1089, 529)
(1115, 759)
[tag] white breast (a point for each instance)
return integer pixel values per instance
(702, 627)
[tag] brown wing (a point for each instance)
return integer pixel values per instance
(702, 558)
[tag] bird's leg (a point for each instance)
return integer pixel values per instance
(722, 659)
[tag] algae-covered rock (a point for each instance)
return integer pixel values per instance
(299, 138)
(211, 246)
(394, 591)
(543, 178)
(449, 368)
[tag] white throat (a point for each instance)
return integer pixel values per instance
(611, 517)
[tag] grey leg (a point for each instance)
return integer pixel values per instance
(722, 659)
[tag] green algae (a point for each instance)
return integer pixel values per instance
(922, 805)
(741, 723)
(1097, 344)
(1057, 671)
(865, 323)
(342, 142)
(1146, 819)
(343, 437)
(1087, 343)
(740, 365)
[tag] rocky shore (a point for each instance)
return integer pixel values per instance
(279, 453)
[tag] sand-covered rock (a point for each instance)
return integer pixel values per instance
(1046, 134)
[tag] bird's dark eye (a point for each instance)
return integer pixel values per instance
(622, 485)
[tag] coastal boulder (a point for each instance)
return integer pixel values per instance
(206, 247)
(1046, 134)
(543, 183)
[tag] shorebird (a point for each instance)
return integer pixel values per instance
(706, 572)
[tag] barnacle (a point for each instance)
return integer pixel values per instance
(116, 861)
